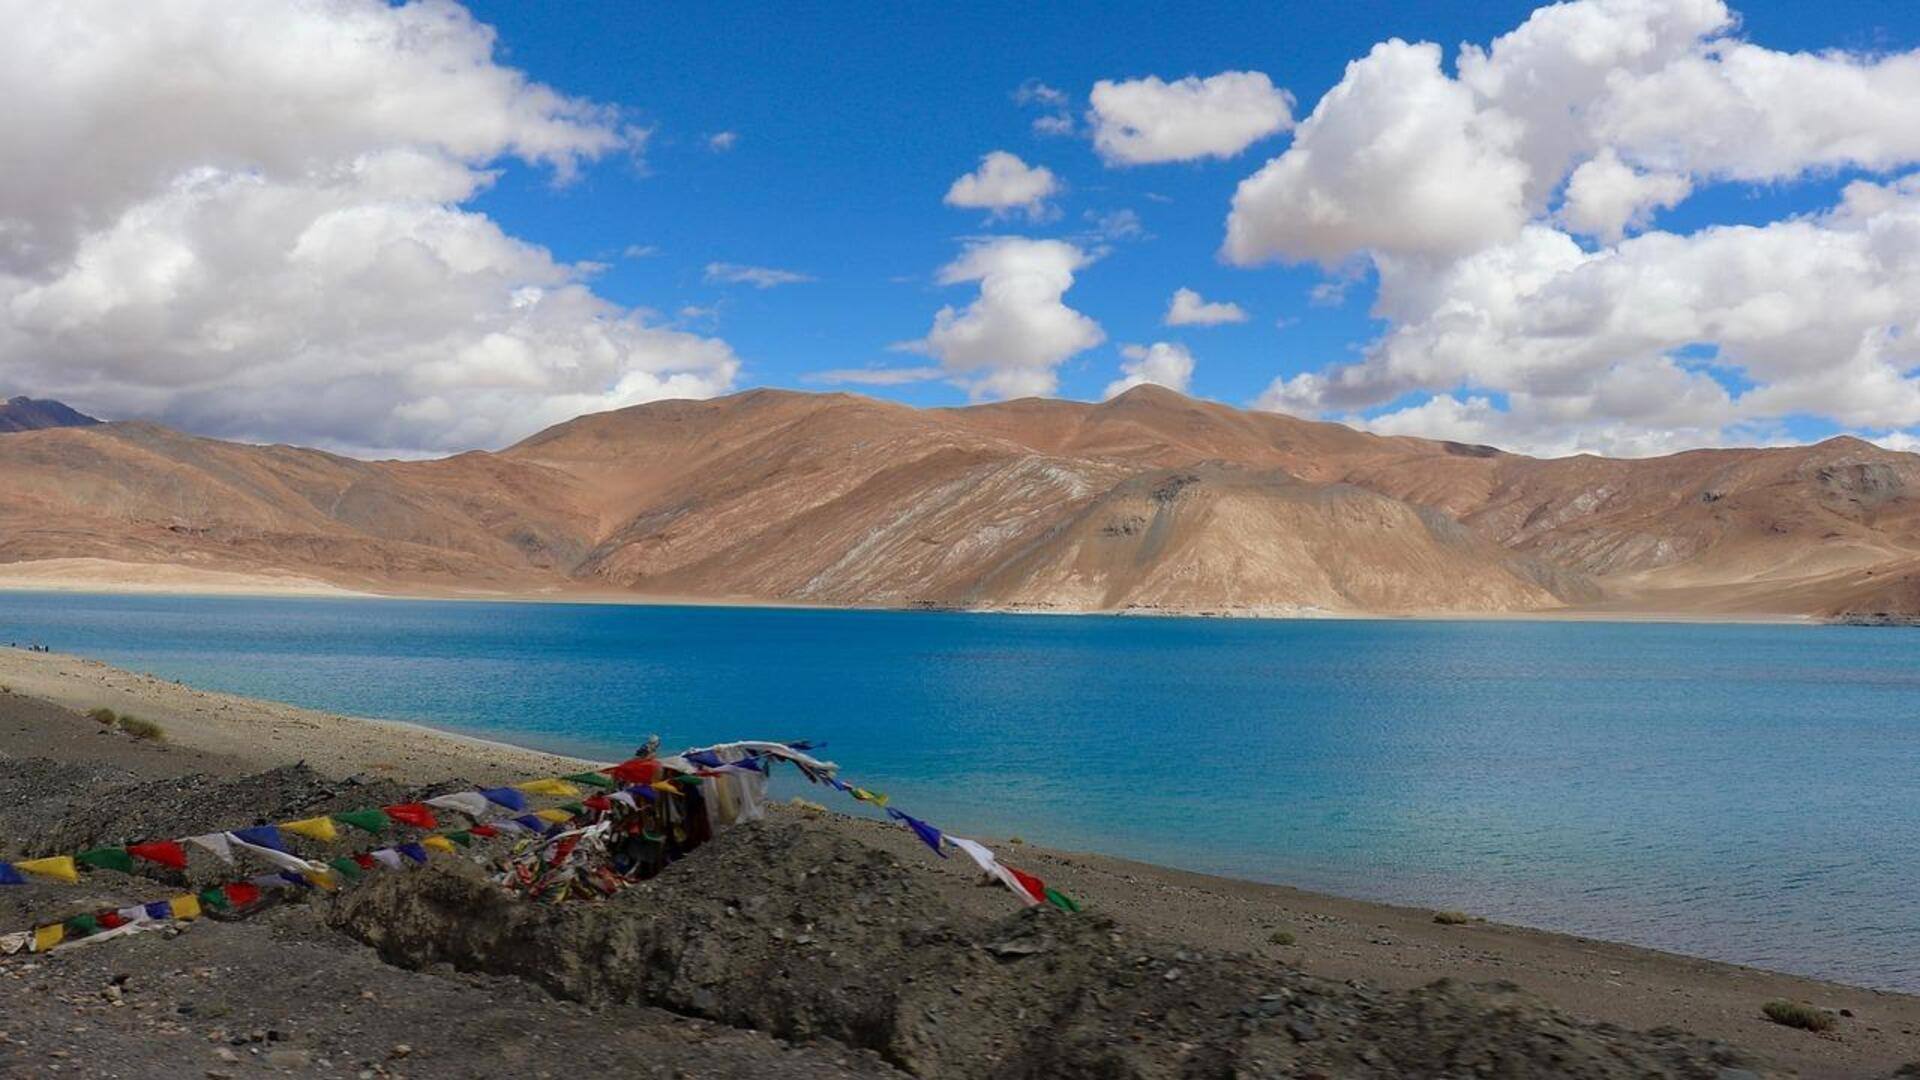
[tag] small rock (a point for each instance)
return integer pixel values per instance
(226, 1055)
(287, 1059)
(399, 1050)
(1302, 1031)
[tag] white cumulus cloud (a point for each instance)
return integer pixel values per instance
(1188, 309)
(1010, 341)
(249, 220)
(1149, 120)
(1004, 184)
(1163, 363)
(1468, 197)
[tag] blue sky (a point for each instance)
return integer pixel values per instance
(1618, 226)
(852, 123)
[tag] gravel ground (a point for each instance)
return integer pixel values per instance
(812, 946)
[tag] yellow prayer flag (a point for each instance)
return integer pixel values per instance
(186, 906)
(438, 843)
(324, 879)
(59, 868)
(554, 816)
(552, 785)
(666, 788)
(313, 828)
(46, 937)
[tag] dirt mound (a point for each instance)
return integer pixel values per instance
(806, 934)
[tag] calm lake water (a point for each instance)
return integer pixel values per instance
(1747, 793)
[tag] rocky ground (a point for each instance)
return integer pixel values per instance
(815, 945)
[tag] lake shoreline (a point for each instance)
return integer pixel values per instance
(1341, 939)
(106, 578)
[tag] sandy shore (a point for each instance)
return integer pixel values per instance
(1372, 944)
(91, 575)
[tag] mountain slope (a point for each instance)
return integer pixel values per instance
(1150, 501)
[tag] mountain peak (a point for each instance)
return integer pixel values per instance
(23, 413)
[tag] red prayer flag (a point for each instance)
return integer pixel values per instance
(110, 919)
(364, 861)
(165, 852)
(413, 813)
(241, 893)
(599, 804)
(636, 771)
(484, 830)
(1034, 886)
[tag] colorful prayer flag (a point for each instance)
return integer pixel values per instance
(58, 867)
(371, 821)
(438, 843)
(165, 852)
(553, 786)
(265, 836)
(416, 814)
(10, 876)
(46, 937)
(505, 796)
(313, 828)
(591, 779)
(185, 906)
(107, 858)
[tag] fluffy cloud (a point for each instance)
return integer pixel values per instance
(1163, 363)
(1012, 338)
(269, 240)
(722, 141)
(1004, 184)
(1146, 121)
(1468, 197)
(760, 277)
(1188, 309)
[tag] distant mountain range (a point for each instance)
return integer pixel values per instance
(26, 414)
(1148, 502)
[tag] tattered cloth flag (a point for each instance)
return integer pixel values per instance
(414, 814)
(388, 858)
(165, 852)
(58, 867)
(265, 836)
(274, 857)
(313, 828)
(370, 821)
(505, 796)
(10, 876)
(107, 858)
(471, 803)
(927, 833)
(552, 785)
(215, 842)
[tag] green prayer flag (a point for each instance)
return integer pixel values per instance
(690, 781)
(107, 858)
(463, 838)
(1062, 900)
(593, 779)
(82, 925)
(215, 899)
(347, 868)
(373, 821)
(573, 808)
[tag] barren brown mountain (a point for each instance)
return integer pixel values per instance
(1151, 501)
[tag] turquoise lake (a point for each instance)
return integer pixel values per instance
(1746, 793)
